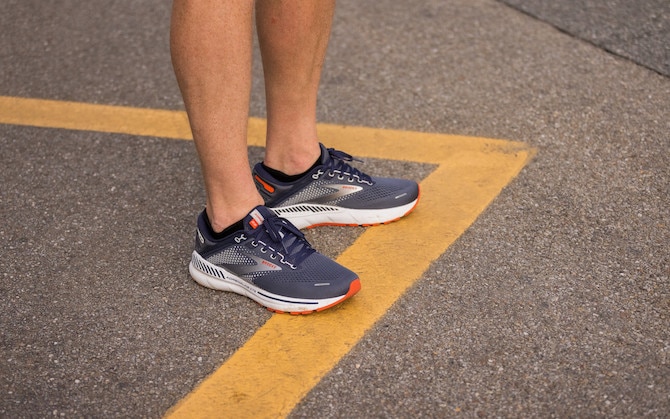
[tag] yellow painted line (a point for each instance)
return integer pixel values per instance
(92, 117)
(289, 355)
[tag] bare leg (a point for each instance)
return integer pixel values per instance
(211, 45)
(293, 37)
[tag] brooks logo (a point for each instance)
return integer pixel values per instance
(268, 264)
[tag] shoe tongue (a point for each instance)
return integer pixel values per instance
(291, 242)
(257, 217)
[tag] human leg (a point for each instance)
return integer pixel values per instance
(293, 37)
(211, 46)
(262, 256)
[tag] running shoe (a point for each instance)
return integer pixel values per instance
(335, 193)
(270, 261)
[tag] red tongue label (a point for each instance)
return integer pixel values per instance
(256, 219)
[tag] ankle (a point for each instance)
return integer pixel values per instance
(292, 161)
(219, 234)
(220, 219)
(283, 177)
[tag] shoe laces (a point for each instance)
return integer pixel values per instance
(339, 164)
(283, 240)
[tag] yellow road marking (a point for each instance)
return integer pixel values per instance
(91, 117)
(288, 355)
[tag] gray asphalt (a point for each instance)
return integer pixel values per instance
(638, 30)
(554, 303)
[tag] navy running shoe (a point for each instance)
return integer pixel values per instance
(335, 193)
(271, 262)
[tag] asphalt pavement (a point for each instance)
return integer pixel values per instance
(555, 302)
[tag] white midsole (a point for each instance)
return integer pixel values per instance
(309, 215)
(215, 277)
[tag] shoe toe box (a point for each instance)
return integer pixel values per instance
(317, 277)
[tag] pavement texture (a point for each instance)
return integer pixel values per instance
(554, 303)
(637, 30)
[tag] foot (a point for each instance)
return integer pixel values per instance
(335, 193)
(271, 262)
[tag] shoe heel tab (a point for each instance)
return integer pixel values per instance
(262, 185)
(203, 227)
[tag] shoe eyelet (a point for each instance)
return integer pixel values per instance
(263, 250)
(318, 174)
(273, 256)
(254, 243)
